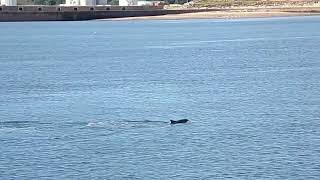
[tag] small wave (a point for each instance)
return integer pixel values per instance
(8, 129)
(188, 43)
(282, 70)
(164, 47)
(125, 124)
(144, 121)
(95, 124)
(17, 124)
(266, 71)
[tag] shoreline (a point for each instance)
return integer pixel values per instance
(241, 13)
(116, 13)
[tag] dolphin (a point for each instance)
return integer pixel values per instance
(178, 121)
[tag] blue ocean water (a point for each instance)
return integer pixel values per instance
(93, 99)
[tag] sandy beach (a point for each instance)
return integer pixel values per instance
(234, 14)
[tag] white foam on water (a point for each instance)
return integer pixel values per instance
(95, 124)
(185, 44)
(126, 124)
(242, 40)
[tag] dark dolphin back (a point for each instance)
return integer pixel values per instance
(179, 121)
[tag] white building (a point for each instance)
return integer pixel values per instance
(72, 2)
(8, 2)
(88, 2)
(146, 3)
(128, 2)
(81, 3)
(105, 2)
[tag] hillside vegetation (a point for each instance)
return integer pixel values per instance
(229, 3)
(195, 3)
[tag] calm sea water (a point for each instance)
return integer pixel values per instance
(92, 100)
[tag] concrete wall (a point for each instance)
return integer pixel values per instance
(43, 9)
(77, 13)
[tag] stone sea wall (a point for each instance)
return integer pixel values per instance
(73, 13)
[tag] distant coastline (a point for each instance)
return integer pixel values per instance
(236, 13)
(77, 13)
